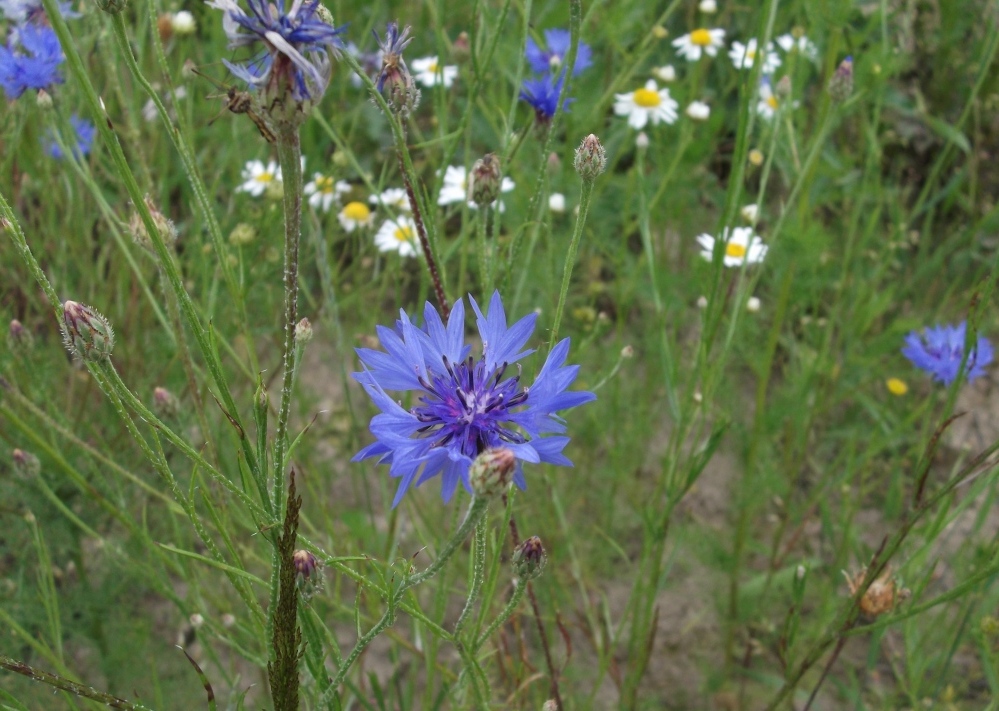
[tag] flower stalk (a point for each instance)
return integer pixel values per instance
(286, 636)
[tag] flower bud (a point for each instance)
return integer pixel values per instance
(461, 50)
(784, 86)
(165, 404)
(628, 352)
(26, 465)
(305, 563)
(44, 100)
(841, 83)
(708, 7)
(242, 235)
(182, 22)
(750, 212)
(550, 705)
(492, 472)
(756, 157)
(303, 332)
(112, 7)
(484, 182)
(164, 26)
(86, 333)
(554, 163)
(665, 73)
(642, 140)
(529, 559)
(591, 159)
(19, 339)
(556, 202)
(164, 226)
(698, 111)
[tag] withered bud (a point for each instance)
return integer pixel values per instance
(165, 403)
(19, 339)
(529, 559)
(303, 332)
(881, 597)
(591, 159)
(26, 464)
(461, 50)
(485, 180)
(492, 472)
(164, 26)
(841, 83)
(164, 227)
(86, 333)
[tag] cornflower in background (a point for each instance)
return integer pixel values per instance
(30, 60)
(84, 138)
(354, 215)
(395, 198)
(743, 56)
(463, 406)
(398, 235)
(22, 11)
(550, 58)
(939, 350)
(257, 177)
(455, 188)
(323, 191)
(698, 42)
(430, 73)
(297, 45)
(650, 103)
(743, 246)
(791, 43)
(542, 94)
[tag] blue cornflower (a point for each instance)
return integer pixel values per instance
(465, 406)
(543, 94)
(544, 60)
(30, 60)
(21, 11)
(297, 44)
(85, 132)
(939, 350)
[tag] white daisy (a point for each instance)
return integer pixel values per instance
(556, 202)
(769, 104)
(455, 188)
(395, 198)
(649, 102)
(665, 74)
(323, 191)
(708, 7)
(750, 212)
(182, 22)
(430, 73)
(789, 43)
(753, 304)
(355, 214)
(701, 40)
(398, 235)
(744, 56)
(698, 111)
(743, 246)
(257, 176)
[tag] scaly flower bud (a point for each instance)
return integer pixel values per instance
(305, 564)
(86, 333)
(529, 559)
(165, 403)
(841, 83)
(19, 339)
(394, 80)
(112, 7)
(44, 100)
(303, 332)
(881, 597)
(461, 50)
(492, 472)
(164, 226)
(591, 159)
(26, 465)
(484, 182)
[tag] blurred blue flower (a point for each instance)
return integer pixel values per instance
(30, 60)
(543, 94)
(939, 350)
(21, 11)
(463, 406)
(545, 60)
(84, 131)
(297, 44)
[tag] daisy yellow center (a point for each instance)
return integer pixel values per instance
(324, 184)
(701, 38)
(647, 98)
(403, 234)
(772, 102)
(750, 53)
(356, 211)
(896, 386)
(432, 67)
(735, 250)
(265, 177)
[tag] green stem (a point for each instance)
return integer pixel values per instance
(87, 692)
(585, 194)
(478, 568)
(519, 588)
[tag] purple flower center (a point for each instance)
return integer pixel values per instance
(467, 406)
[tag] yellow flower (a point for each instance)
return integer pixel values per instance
(896, 386)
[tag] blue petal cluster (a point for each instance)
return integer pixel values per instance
(542, 94)
(21, 11)
(297, 43)
(939, 351)
(85, 132)
(30, 60)
(551, 58)
(464, 406)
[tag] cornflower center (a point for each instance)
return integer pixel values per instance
(403, 234)
(356, 211)
(735, 250)
(466, 406)
(647, 98)
(700, 37)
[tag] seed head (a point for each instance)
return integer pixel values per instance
(486, 178)
(86, 333)
(841, 83)
(591, 159)
(529, 559)
(492, 472)
(26, 465)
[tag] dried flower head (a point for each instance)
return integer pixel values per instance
(881, 597)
